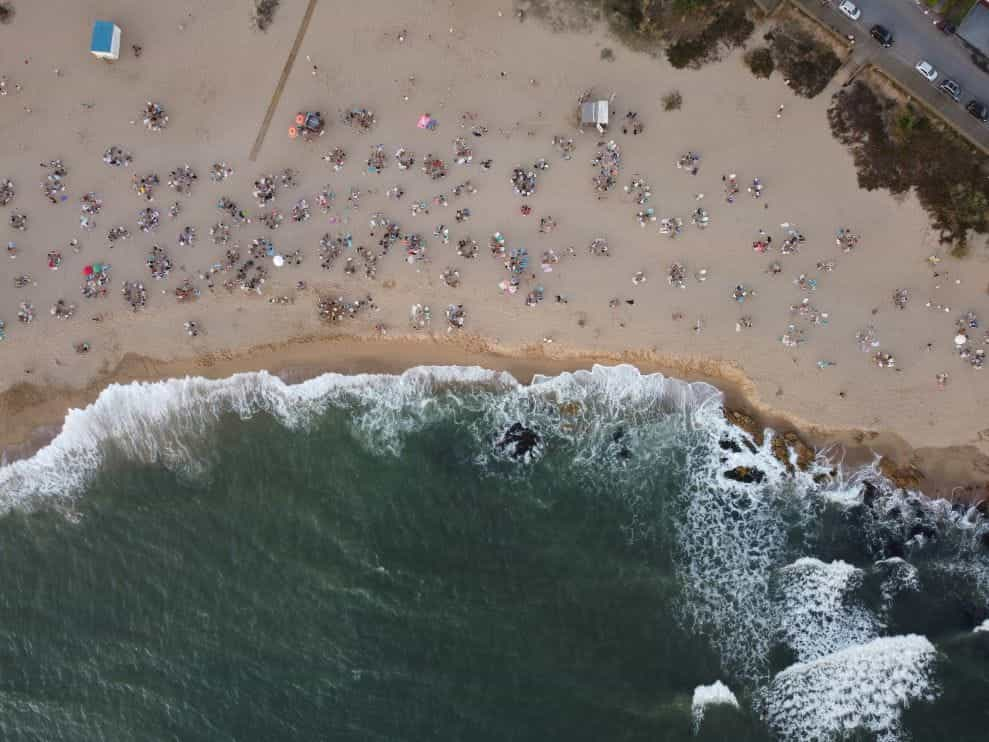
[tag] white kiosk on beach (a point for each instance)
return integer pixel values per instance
(594, 113)
(106, 40)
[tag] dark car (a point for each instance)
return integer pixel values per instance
(883, 35)
(952, 89)
(947, 27)
(979, 110)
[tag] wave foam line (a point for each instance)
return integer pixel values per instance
(160, 421)
(865, 687)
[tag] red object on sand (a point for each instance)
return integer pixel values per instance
(87, 271)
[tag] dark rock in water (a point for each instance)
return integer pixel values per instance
(619, 437)
(985, 540)
(727, 444)
(746, 423)
(745, 475)
(519, 440)
(869, 493)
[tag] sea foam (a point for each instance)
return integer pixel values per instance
(819, 613)
(865, 687)
(162, 422)
(710, 695)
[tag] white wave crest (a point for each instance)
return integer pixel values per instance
(162, 422)
(818, 612)
(732, 538)
(899, 576)
(865, 687)
(982, 627)
(710, 695)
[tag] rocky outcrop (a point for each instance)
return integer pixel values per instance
(519, 441)
(786, 442)
(745, 422)
(745, 475)
(903, 477)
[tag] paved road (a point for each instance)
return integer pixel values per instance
(916, 38)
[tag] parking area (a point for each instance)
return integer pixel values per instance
(916, 39)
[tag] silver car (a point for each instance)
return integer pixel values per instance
(952, 89)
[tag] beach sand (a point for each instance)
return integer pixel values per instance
(521, 80)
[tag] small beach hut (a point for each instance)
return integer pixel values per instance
(106, 40)
(594, 113)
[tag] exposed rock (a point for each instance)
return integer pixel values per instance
(746, 423)
(519, 440)
(745, 475)
(906, 477)
(805, 454)
(727, 444)
(782, 445)
(869, 493)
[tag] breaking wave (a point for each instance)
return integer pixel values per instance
(818, 611)
(162, 422)
(710, 695)
(865, 687)
(751, 572)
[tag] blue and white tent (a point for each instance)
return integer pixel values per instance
(106, 40)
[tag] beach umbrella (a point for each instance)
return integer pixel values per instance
(97, 267)
(87, 271)
(278, 260)
(424, 121)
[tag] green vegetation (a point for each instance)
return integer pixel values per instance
(691, 32)
(760, 61)
(956, 10)
(730, 27)
(806, 62)
(898, 148)
(264, 13)
(672, 101)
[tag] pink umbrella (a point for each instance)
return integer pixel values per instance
(424, 121)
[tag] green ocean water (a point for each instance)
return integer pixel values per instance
(386, 572)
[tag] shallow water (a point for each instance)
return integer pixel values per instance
(355, 558)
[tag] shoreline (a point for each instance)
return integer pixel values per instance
(34, 415)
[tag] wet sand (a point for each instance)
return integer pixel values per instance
(216, 78)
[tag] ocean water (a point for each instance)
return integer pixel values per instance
(370, 558)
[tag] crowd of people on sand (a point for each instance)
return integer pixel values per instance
(249, 251)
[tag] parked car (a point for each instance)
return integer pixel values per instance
(850, 9)
(883, 35)
(927, 70)
(978, 109)
(952, 89)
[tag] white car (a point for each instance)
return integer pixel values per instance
(927, 70)
(850, 9)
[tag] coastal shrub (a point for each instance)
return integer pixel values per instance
(760, 61)
(729, 28)
(672, 101)
(899, 148)
(692, 32)
(264, 13)
(6, 12)
(806, 62)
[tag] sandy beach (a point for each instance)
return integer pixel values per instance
(472, 66)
